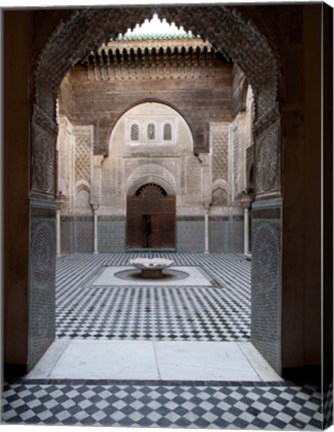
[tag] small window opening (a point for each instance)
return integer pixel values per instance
(151, 131)
(134, 132)
(167, 132)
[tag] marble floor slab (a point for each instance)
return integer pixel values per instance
(153, 360)
(220, 361)
(111, 360)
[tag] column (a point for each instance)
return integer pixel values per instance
(59, 203)
(96, 191)
(95, 209)
(206, 231)
(246, 231)
(246, 201)
(205, 160)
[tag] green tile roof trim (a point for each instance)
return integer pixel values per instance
(155, 29)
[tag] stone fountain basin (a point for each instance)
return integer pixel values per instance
(151, 268)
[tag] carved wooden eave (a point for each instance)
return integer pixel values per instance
(156, 43)
(158, 58)
(86, 29)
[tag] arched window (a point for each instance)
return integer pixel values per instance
(134, 132)
(167, 132)
(151, 131)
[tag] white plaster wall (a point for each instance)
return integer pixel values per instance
(158, 114)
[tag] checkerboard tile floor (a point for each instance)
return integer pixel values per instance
(174, 313)
(230, 407)
(328, 406)
(161, 313)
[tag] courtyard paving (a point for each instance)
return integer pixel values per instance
(146, 312)
(158, 315)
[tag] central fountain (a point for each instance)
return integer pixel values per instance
(151, 268)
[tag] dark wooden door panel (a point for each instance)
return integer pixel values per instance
(151, 220)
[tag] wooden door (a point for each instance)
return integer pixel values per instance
(151, 219)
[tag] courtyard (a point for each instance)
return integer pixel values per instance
(101, 368)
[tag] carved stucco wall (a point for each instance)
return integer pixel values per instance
(131, 164)
(220, 148)
(83, 161)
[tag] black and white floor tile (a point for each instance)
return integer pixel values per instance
(146, 312)
(158, 313)
(185, 406)
(328, 406)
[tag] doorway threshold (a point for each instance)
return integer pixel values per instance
(153, 361)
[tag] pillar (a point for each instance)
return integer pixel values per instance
(206, 231)
(58, 228)
(95, 209)
(205, 161)
(246, 231)
(246, 201)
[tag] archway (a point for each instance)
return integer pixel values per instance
(87, 29)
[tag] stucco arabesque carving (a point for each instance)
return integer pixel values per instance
(44, 135)
(268, 161)
(43, 161)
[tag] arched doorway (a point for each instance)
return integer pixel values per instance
(150, 221)
(257, 60)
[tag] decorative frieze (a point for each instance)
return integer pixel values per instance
(163, 60)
